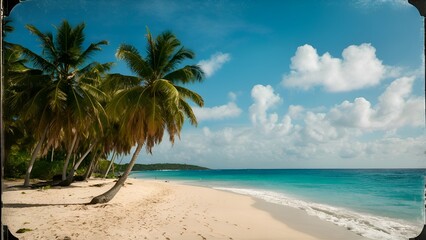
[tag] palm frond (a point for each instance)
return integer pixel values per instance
(90, 50)
(188, 94)
(57, 97)
(7, 28)
(187, 110)
(134, 60)
(187, 74)
(77, 36)
(165, 89)
(47, 43)
(177, 58)
(151, 50)
(115, 82)
(165, 45)
(37, 60)
(95, 69)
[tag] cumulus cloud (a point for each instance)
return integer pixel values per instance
(302, 137)
(396, 108)
(295, 111)
(264, 98)
(228, 110)
(214, 63)
(358, 68)
(242, 147)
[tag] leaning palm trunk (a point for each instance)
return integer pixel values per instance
(107, 196)
(89, 170)
(67, 160)
(110, 164)
(33, 158)
(70, 176)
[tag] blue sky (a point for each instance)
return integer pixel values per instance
(290, 84)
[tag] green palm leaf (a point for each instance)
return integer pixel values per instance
(134, 60)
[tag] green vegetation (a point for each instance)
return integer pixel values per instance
(65, 112)
(45, 169)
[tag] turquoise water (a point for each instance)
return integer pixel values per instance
(375, 203)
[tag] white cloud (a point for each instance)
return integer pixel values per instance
(295, 111)
(240, 147)
(318, 129)
(334, 137)
(214, 63)
(396, 108)
(358, 68)
(264, 98)
(229, 110)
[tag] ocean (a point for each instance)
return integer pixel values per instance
(374, 203)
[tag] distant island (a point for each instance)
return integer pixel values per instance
(163, 166)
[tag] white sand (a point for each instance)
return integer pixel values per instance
(148, 209)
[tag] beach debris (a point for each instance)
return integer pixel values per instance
(97, 185)
(44, 188)
(22, 230)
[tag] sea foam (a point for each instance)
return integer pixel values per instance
(373, 227)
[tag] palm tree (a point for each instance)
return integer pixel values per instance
(20, 82)
(157, 104)
(69, 102)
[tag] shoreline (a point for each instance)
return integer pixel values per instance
(155, 209)
(297, 219)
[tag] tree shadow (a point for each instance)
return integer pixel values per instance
(28, 205)
(40, 185)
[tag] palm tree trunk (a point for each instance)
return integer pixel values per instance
(73, 159)
(107, 196)
(67, 160)
(118, 165)
(89, 170)
(110, 164)
(70, 176)
(53, 152)
(33, 158)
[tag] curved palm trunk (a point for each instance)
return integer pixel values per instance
(110, 164)
(33, 158)
(70, 176)
(107, 196)
(67, 160)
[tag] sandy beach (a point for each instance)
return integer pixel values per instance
(151, 209)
